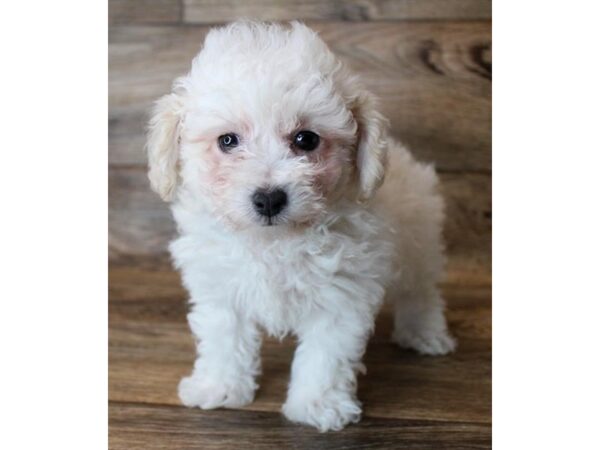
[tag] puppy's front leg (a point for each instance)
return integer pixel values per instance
(322, 389)
(228, 359)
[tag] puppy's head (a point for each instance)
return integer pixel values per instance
(267, 128)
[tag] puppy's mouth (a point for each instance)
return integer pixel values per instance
(272, 221)
(283, 221)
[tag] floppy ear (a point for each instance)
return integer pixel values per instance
(163, 145)
(372, 145)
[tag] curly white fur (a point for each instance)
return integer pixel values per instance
(321, 272)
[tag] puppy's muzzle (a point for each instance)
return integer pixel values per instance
(269, 203)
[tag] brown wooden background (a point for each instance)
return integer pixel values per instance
(430, 62)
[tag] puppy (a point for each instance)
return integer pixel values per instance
(271, 154)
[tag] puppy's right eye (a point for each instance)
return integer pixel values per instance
(228, 141)
(306, 140)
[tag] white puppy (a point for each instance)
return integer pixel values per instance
(271, 153)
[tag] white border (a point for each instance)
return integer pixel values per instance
(546, 313)
(53, 318)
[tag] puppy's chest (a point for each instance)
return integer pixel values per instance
(278, 281)
(273, 283)
(283, 270)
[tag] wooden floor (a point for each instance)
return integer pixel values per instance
(410, 401)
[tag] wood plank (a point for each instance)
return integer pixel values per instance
(215, 11)
(140, 222)
(149, 427)
(135, 278)
(433, 79)
(468, 226)
(144, 11)
(151, 348)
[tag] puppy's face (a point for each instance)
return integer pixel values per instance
(267, 147)
(265, 129)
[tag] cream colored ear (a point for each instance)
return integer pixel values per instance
(372, 147)
(163, 145)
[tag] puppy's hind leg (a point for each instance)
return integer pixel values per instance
(420, 324)
(419, 321)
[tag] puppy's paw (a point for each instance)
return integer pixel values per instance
(196, 391)
(426, 342)
(332, 410)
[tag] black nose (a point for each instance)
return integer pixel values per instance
(269, 203)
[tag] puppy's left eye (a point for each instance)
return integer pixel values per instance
(228, 141)
(306, 140)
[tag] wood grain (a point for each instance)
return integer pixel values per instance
(144, 11)
(433, 80)
(150, 427)
(215, 11)
(151, 348)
